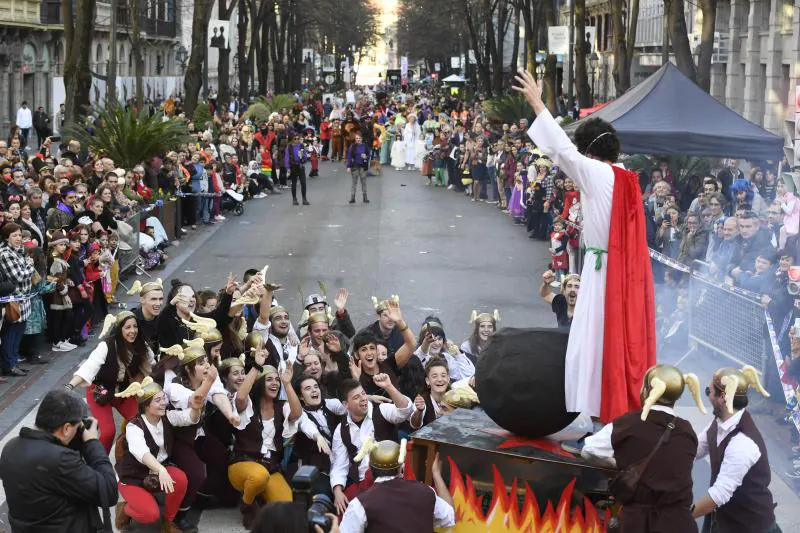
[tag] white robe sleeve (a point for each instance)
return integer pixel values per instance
(588, 173)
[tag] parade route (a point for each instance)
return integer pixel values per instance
(441, 253)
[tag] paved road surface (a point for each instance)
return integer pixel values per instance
(441, 253)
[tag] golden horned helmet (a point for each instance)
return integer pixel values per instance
(735, 382)
(212, 336)
(484, 317)
(141, 289)
(192, 351)
(277, 309)
(381, 306)
(463, 397)
(142, 391)
(665, 384)
(254, 341)
(231, 362)
(317, 317)
(112, 322)
(385, 455)
(200, 325)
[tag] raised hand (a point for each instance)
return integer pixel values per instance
(332, 343)
(355, 368)
(530, 89)
(393, 310)
(231, 285)
(382, 381)
(341, 299)
(419, 403)
(286, 375)
(548, 277)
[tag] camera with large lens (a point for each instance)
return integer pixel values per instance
(306, 489)
(320, 506)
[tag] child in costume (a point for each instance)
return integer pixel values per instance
(558, 249)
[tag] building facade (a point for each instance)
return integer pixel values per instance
(32, 52)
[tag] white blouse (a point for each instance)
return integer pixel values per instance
(268, 429)
(91, 366)
(137, 445)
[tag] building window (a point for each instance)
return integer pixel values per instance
(170, 10)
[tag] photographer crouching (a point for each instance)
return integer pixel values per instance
(57, 474)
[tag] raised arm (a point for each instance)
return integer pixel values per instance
(406, 351)
(544, 290)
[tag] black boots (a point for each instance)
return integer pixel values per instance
(366, 200)
(353, 199)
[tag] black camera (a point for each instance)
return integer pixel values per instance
(320, 506)
(306, 485)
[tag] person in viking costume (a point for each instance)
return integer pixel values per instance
(421, 509)
(661, 446)
(144, 469)
(483, 327)
(151, 299)
(121, 357)
(739, 499)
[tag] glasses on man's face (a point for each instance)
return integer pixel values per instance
(713, 203)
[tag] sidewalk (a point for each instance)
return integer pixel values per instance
(20, 396)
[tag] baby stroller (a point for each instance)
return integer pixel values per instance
(232, 201)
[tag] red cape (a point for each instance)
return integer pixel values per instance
(629, 336)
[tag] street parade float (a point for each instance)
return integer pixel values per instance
(508, 467)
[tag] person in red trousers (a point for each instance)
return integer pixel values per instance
(146, 448)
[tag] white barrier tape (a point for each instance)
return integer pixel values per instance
(789, 392)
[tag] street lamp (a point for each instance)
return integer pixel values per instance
(593, 60)
(181, 55)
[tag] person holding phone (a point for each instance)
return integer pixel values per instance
(57, 473)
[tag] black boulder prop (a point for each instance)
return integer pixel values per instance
(520, 381)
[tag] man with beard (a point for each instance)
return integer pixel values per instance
(365, 351)
(364, 420)
(274, 325)
(739, 499)
(563, 304)
(753, 241)
(664, 447)
(151, 298)
(321, 415)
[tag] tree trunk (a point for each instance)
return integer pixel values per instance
(111, 71)
(498, 46)
(224, 75)
(136, 50)
(193, 78)
(582, 89)
(512, 68)
(278, 49)
(622, 70)
(680, 38)
(78, 30)
(245, 67)
(550, 88)
(633, 21)
(709, 8)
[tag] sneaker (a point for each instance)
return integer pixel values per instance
(184, 231)
(66, 346)
(450, 187)
(219, 217)
(58, 348)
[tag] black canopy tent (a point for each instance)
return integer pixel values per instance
(668, 114)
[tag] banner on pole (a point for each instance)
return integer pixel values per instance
(558, 40)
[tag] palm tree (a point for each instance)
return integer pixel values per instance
(128, 137)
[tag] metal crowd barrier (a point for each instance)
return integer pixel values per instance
(130, 259)
(728, 322)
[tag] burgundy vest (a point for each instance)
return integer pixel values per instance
(247, 446)
(399, 506)
(384, 430)
(430, 412)
(129, 469)
(750, 509)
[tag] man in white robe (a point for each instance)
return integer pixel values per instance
(596, 180)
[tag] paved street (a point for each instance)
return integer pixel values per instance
(441, 254)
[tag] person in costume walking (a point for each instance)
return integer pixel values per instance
(617, 263)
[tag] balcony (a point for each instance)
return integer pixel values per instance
(154, 27)
(19, 11)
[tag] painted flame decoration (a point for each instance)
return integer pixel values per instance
(504, 515)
